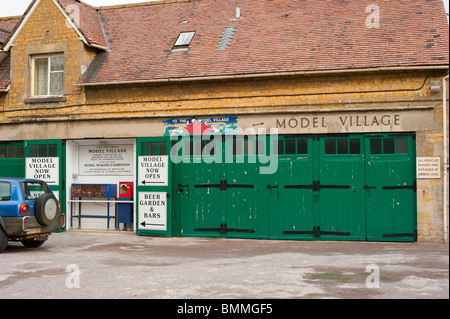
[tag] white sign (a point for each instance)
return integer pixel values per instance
(152, 211)
(44, 168)
(428, 167)
(105, 160)
(153, 170)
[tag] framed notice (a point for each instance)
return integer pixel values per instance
(105, 160)
(428, 167)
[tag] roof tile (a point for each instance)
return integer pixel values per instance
(271, 36)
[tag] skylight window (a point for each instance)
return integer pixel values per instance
(184, 39)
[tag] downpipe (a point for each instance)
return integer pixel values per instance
(445, 146)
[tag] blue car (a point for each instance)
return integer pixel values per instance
(29, 212)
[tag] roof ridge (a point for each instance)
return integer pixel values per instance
(144, 4)
(86, 4)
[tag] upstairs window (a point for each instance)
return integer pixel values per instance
(48, 75)
(184, 40)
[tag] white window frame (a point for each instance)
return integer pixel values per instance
(33, 65)
(184, 39)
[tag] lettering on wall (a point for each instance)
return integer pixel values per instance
(345, 121)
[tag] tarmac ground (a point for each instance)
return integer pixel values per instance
(121, 265)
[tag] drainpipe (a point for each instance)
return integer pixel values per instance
(444, 120)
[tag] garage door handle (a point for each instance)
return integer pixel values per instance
(270, 186)
(367, 187)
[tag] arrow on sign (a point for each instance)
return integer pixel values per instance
(145, 182)
(145, 224)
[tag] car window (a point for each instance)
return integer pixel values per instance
(33, 190)
(5, 191)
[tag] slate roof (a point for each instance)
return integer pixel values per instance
(270, 36)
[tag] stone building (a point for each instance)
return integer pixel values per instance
(273, 119)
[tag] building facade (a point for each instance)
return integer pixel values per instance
(299, 120)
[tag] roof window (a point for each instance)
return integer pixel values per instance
(183, 41)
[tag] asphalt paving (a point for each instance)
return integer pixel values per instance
(121, 265)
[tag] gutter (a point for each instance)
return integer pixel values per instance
(445, 146)
(260, 75)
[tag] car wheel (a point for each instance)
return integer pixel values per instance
(32, 243)
(3, 240)
(46, 209)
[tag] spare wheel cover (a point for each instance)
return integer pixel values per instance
(46, 209)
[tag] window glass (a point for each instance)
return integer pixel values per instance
(3, 150)
(19, 151)
(302, 146)
(250, 145)
(401, 146)
(48, 76)
(33, 150)
(56, 83)
(279, 146)
(290, 146)
(52, 150)
(57, 63)
(33, 190)
(342, 146)
(42, 150)
(41, 76)
(388, 146)
(209, 147)
(162, 148)
(355, 146)
(375, 146)
(330, 146)
(5, 191)
(11, 152)
(153, 148)
(184, 39)
(196, 146)
(237, 146)
(261, 145)
(144, 147)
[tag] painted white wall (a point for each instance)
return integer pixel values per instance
(73, 157)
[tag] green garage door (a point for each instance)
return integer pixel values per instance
(291, 190)
(12, 161)
(245, 191)
(218, 199)
(198, 200)
(55, 149)
(343, 187)
(340, 183)
(390, 187)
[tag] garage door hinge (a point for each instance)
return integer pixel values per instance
(316, 186)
